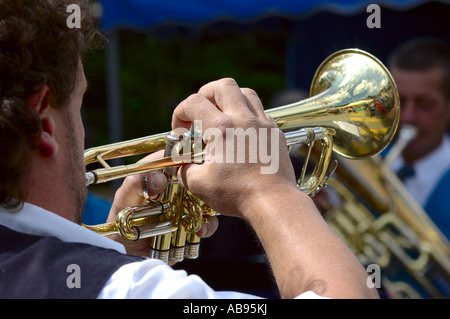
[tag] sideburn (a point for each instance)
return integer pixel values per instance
(74, 169)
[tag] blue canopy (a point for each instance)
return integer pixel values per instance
(148, 13)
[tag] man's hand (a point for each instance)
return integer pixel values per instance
(225, 183)
(304, 253)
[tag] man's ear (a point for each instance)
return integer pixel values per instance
(39, 102)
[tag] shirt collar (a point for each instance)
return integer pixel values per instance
(439, 158)
(437, 161)
(35, 220)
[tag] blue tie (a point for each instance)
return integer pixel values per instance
(405, 172)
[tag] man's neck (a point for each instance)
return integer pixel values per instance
(44, 188)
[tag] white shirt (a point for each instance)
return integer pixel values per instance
(427, 172)
(150, 278)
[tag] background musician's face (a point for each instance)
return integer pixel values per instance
(423, 104)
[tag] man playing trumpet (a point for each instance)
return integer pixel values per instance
(42, 182)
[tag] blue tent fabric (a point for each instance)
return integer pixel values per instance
(148, 13)
(96, 210)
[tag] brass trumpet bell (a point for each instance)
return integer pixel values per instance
(354, 96)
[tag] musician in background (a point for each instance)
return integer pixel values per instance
(421, 69)
(43, 248)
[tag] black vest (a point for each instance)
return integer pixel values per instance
(45, 267)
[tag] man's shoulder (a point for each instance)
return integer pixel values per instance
(35, 266)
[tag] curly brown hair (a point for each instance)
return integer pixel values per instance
(36, 47)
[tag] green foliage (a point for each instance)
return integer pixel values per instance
(157, 73)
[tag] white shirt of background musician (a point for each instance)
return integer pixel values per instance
(427, 172)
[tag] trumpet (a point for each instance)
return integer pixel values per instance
(353, 111)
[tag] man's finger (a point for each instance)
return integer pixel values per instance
(253, 102)
(195, 107)
(209, 227)
(226, 95)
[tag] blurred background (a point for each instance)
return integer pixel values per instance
(160, 52)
